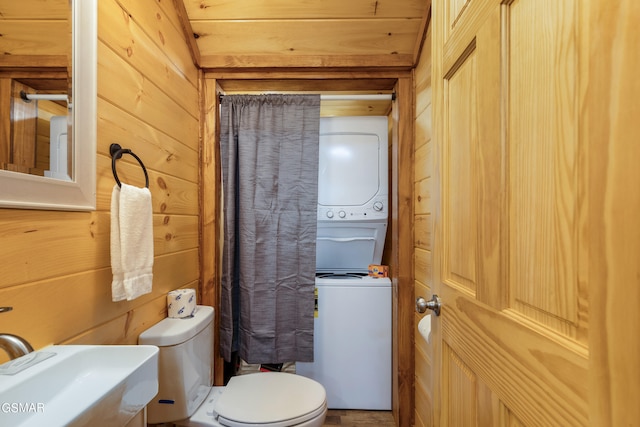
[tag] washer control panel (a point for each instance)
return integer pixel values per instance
(376, 210)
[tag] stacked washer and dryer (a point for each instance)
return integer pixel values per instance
(352, 335)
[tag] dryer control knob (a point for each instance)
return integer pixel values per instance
(329, 214)
(342, 214)
(377, 206)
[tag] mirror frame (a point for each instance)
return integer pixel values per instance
(24, 191)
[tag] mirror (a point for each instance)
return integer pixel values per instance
(60, 173)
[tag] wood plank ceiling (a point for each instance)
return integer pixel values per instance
(307, 33)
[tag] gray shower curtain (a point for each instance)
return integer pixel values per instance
(269, 156)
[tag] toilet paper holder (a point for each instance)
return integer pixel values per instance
(434, 304)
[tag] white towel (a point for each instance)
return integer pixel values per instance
(131, 242)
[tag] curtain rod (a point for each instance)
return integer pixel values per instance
(45, 96)
(378, 97)
(354, 97)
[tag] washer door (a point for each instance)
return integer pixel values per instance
(270, 399)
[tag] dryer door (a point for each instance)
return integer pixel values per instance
(353, 163)
(348, 169)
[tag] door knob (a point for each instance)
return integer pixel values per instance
(434, 304)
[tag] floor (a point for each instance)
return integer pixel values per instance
(341, 417)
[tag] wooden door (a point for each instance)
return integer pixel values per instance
(614, 205)
(510, 213)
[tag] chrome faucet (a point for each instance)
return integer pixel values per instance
(14, 345)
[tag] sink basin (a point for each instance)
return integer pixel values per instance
(78, 385)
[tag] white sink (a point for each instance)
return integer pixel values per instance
(78, 385)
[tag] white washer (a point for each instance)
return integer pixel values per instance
(352, 342)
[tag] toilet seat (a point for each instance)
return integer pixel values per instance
(291, 400)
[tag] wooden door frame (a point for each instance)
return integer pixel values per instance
(402, 163)
(401, 193)
(614, 201)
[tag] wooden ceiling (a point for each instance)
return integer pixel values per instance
(310, 35)
(35, 29)
(243, 34)
(306, 33)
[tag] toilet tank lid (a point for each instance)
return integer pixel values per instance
(171, 331)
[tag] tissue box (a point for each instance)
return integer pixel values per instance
(378, 270)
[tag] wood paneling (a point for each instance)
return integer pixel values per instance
(342, 417)
(211, 212)
(43, 316)
(288, 37)
(422, 235)
(35, 33)
(460, 188)
(132, 91)
(423, 409)
(50, 38)
(385, 33)
(178, 80)
(613, 204)
(422, 265)
(423, 153)
(46, 110)
(5, 120)
(23, 131)
(59, 283)
(422, 187)
(402, 251)
(460, 389)
(160, 151)
(51, 10)
(544, 175)
(163, 38)
(303, 9)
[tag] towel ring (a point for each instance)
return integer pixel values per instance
(116, 152)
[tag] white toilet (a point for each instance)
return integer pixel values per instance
(185, 375)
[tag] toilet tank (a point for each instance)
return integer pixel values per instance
(185, 364)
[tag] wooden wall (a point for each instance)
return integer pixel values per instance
(423, 167)
(56, 265)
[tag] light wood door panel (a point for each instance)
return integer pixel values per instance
(510, 245)
(544, 163)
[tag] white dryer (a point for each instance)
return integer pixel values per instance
(353, 193)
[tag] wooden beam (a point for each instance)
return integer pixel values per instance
(310, 85)
(422, 34)
(34, 61)
(210, 218)
(5, 121)
(388, 61)
(189, 36)
(402, 251)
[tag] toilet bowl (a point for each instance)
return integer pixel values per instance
(185, 373)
